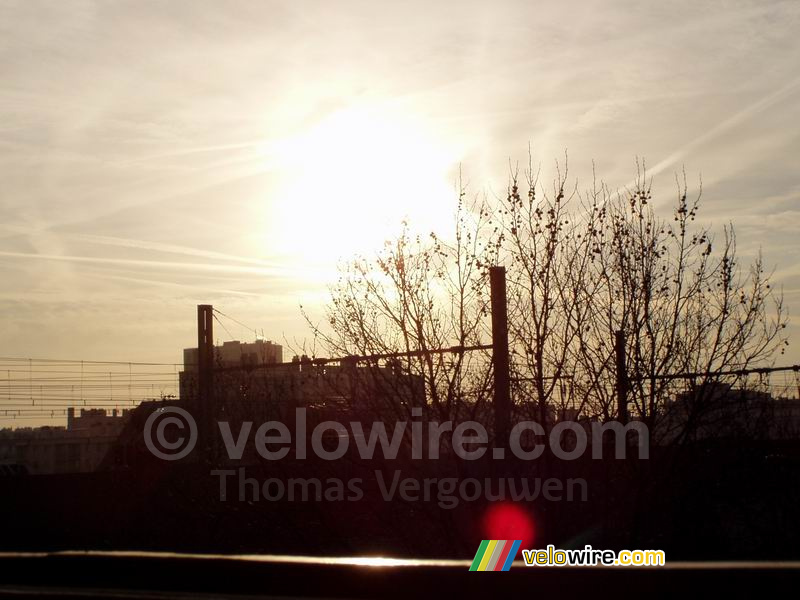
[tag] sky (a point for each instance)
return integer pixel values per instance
(158, 155)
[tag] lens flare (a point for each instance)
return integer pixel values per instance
(507, 521)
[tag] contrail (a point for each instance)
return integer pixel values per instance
(175, 284)
(287, 272)
(139, 244)
(166, 248)
(724, 126)
(197, 150)
(145, 263)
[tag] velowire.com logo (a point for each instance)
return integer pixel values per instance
(495, 555)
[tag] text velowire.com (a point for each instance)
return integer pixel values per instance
(589, 557)
(466, 440)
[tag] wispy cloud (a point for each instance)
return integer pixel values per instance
(142, 142)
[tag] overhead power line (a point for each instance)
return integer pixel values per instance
(247, 327)
(87, 362)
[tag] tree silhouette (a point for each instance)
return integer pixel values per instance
(581, 266)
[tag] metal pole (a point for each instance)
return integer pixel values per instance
(622, 377)
(205, 379)
(500, 362)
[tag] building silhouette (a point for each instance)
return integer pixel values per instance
(77, 448)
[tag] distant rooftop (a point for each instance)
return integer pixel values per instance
(236, 353)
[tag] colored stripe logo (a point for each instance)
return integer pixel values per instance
(495, 555)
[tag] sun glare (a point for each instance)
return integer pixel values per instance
(352, 178)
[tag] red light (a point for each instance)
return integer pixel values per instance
(506, 521)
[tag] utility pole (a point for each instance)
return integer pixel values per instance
(205, 380)
(500, 362)
(622, 377)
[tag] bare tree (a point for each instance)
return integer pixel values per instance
(581, 266)
(547, 258)
(420, 294)
(677, 293)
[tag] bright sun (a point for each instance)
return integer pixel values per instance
(352, 177)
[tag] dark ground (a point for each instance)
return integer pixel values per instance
(721, 502)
